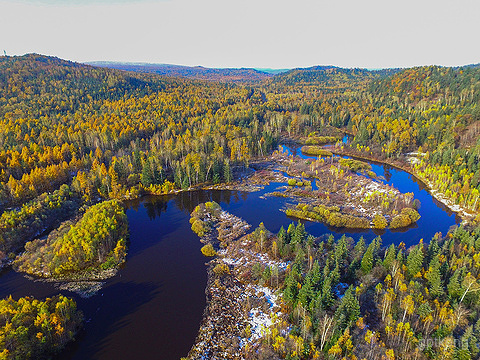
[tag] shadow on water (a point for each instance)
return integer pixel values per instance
(103, 316)
(153, 307)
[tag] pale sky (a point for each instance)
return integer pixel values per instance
(246, 33)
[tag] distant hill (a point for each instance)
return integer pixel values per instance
(272, 71)
(192, 72)
(329, 76)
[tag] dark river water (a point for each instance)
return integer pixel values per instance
(152, 309)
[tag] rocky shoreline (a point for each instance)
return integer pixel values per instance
(238, 311)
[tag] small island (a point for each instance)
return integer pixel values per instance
(340, 192)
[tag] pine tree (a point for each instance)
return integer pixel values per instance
(306, 293)
(267, 274)
(147, 174)
(291, 290)
(348, 311)
(316, 274)
(367, 260)
(299, 234)
(341, 250)
(434, 278)
(415, 260)
(454, 287)
(359, 248)
(227, 174)
(327, 296)
(389, 257)
(290, 231)
(281, 236)
(433, 249)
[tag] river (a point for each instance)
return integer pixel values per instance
(153, 307)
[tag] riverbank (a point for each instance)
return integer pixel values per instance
(239, 310)
(343, 193)
(465, 214)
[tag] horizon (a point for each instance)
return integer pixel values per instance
(262, 69)
(373, 34)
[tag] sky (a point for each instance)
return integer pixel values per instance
(246, 33)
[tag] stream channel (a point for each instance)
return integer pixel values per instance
(153, 307)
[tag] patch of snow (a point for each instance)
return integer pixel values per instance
(268, 294)
(259, 321)
(340, 290)
(266, 260)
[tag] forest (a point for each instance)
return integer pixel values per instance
(31, 329)
(347, 299)
(76, 140)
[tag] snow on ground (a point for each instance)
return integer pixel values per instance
(259, 320)
(450, 204)
(263, 258)
(340, 290)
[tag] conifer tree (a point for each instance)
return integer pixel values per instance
(434, 278)
(348, 311)
(367, 260)
(454, 287)
(415, 260)
(389, 257)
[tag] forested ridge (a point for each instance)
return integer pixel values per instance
(75, 140)
(192, 72)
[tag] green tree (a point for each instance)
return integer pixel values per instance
(348, 311)
(434, 278)
(367, 260)
(389, 257)
(415, 260)
(147, 174)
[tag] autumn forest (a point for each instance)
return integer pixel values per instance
(77, 141)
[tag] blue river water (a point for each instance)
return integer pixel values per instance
(153, 307)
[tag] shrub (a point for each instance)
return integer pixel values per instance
(411, 213)
(208, 250)
(400, 221)
(198, 227)
(315, 150)
(221, 269)
(379, 222)
(292, 182)
(320, 140)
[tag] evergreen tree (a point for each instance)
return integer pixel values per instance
(327, 296)
(299, 234)
(367, 260)
(281, 236)
(433, 249)
(316, 274)
(454, 287)
(434, 278)
(348, 311)
(290, 232)
(389, 257)
(306, 293)
(291, 289)
(341, 250)
(147, 174)
(359, 248)
(415, 260)
(267, 274)
(227, 173)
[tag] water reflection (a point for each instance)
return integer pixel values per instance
(155, 303)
